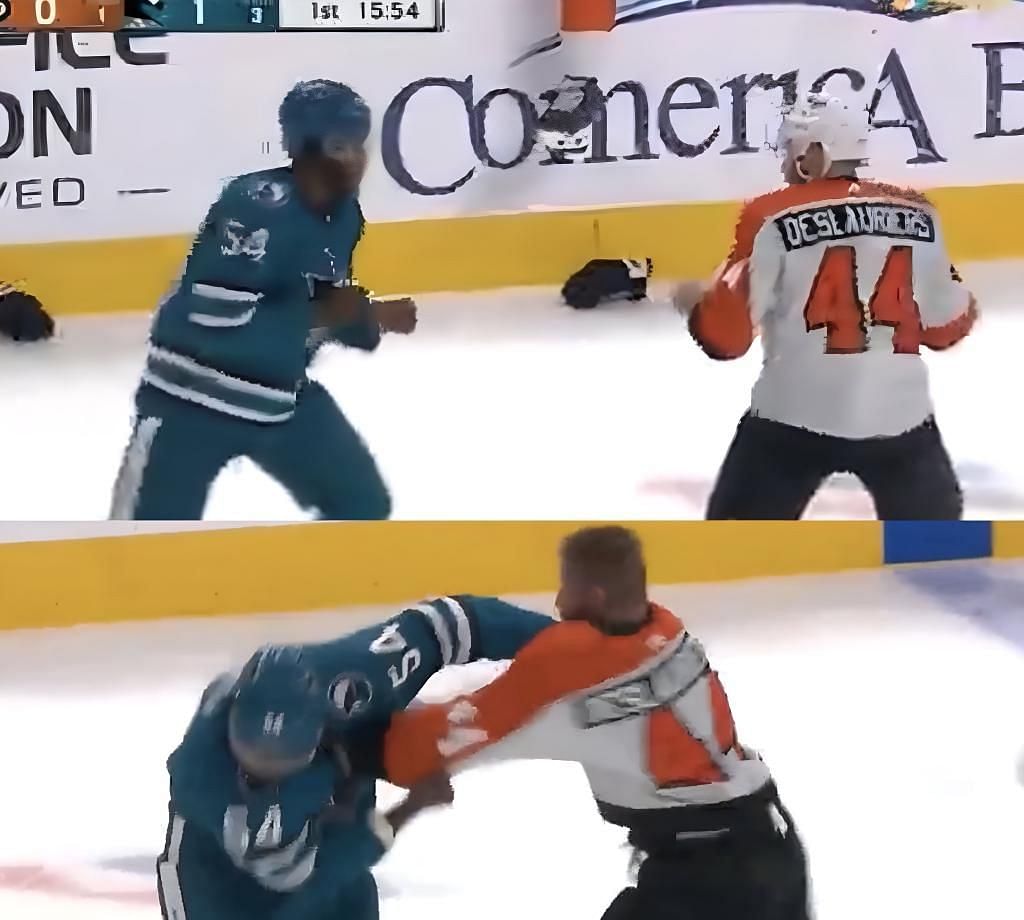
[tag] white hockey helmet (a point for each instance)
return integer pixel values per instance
(818, 118)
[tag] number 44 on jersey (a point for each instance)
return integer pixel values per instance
(834, 303)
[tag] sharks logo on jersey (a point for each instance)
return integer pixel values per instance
(240, 241)
(351, 694)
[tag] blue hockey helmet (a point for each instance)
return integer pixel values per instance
(279, 710)
(317, 115)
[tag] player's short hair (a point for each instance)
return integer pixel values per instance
(610, 557)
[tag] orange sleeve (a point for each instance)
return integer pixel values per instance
(721, 323)
(562, 660)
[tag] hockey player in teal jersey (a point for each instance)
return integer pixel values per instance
(271, 816)
(267, 283)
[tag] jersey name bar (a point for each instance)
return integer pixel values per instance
(810, 226)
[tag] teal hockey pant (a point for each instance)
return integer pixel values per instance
(177, 448)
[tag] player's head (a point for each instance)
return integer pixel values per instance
(604, 577)
(821, 135)
(324, 127)
(277, 716)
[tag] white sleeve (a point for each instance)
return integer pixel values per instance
(766, 261)
(941, 296)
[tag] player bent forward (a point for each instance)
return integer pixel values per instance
(622, 688)
(847, 279)
(270, 817)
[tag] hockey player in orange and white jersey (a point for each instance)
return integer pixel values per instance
(846, 279)
(621, 687)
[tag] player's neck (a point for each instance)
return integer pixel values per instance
(629, 620)
(846, 171)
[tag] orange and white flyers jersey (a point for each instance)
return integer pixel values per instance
(643, 713)
(846, 280)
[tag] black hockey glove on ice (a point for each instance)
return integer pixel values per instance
(607, 279)
(23, 318)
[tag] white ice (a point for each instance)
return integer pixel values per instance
(504, 405)
(889, 716)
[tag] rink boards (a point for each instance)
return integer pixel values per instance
(61, 575)
(98, 206)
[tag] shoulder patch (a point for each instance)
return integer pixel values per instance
(262, 190)
(350, 694)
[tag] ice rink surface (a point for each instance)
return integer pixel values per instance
(505, 406)
(886, 702)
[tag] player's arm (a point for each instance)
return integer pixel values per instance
(467, 627)
(723, 321)
(350, 848)
(346, 852)
(344, 313)
(948, 309)
(417, 643)
(516, 716)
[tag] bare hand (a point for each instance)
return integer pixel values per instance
(686, 296)
(399, 315)
(341, 306)
(434, 790)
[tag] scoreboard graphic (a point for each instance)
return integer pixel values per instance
(222, 15)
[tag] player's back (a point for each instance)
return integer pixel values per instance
(848, 279)
(642, 712)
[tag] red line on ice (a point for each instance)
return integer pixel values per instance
(55, 882)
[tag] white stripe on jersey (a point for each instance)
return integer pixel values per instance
(441, 630)
(465, 633)
(167, 872)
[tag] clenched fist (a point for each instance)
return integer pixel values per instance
(399, 315)
(340, 306)
(686, 296)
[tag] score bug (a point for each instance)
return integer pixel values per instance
(34, 15)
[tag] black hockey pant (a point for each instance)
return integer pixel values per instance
(758, 873)
(772, 471)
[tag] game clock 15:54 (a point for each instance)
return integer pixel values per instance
(390, 10)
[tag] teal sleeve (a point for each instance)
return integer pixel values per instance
(500, 629)
(347, 851)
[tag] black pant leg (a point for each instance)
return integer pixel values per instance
(760, 872)
(770, 472)
(626, 906)
(910, 477)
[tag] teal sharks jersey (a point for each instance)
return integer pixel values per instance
(235, 333)
(315, 832)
